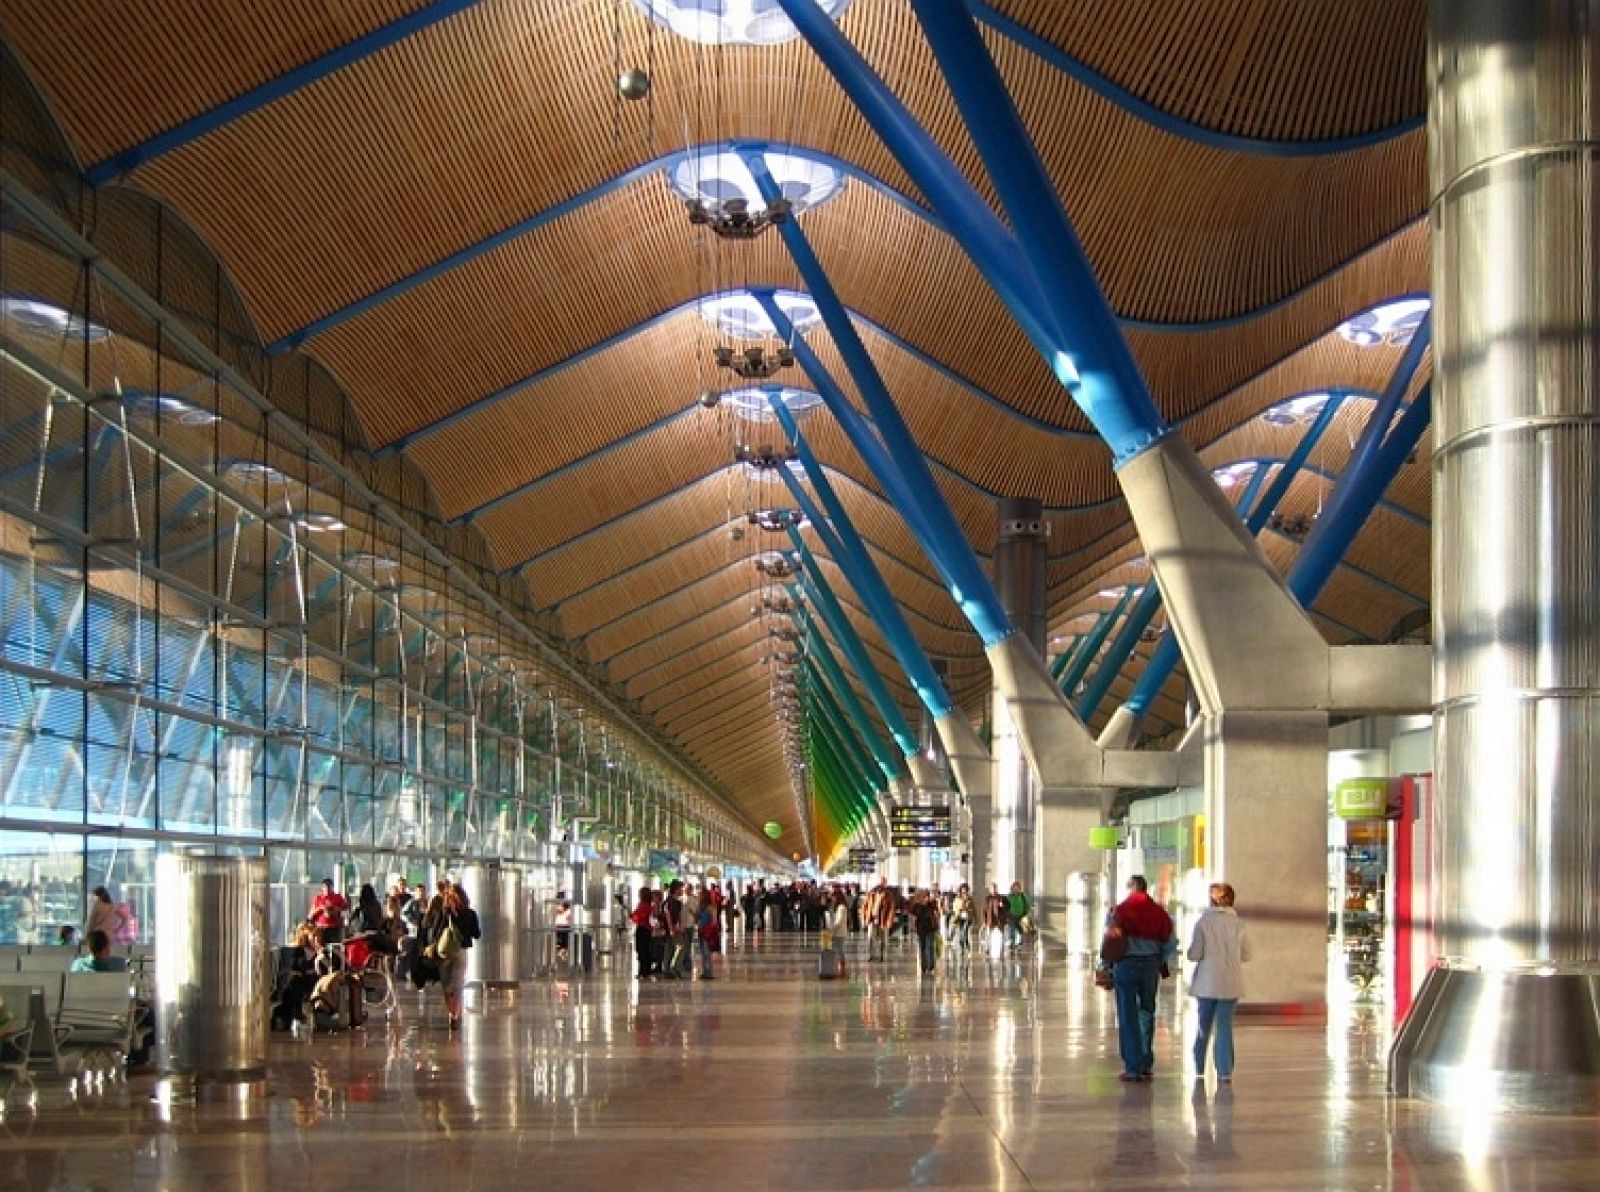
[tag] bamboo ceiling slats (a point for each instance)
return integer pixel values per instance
(468, 132)
(704, 654)
(1259, 69)
(601, 484)
(673, 568)
(575, 565)
(570, 415)
(1186, 372)
(1218, 233)
(633, 474)
(1397, 551)
(659, 630)
(748, 688)
(648, 648)
(174, 58)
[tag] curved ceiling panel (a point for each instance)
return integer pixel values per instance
(448, 203)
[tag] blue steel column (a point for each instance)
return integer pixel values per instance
(850, 552)
(903, 460)
(822, 597)
(822, 655)
(1507, 1020)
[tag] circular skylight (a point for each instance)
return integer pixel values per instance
(1393, 323)
(774, 520)
(1295, 409)
(713, 175)
(739, 314)
(1231, 475)
(256, 472)
(371, 563)
(45, 320)
(319, 523)
(752, 403)
(731, 22)
(168, 408)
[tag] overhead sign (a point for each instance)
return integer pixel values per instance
(1365, 798)
(901, 815)
(930, 840)
(920, 827)
(863, 858)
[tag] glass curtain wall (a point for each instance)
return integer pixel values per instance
(223, 624)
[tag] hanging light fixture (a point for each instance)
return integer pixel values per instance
(754, 363)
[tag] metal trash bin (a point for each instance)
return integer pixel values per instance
(212, 984)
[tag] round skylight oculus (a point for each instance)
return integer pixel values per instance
(752, 403)
(711, 176)
(740, 315)
(320, 523)
(1295, 409)
(1231, 475)
(255, 472)
(1393, 323)
(731, 22)
(45, 320)
(169, 408)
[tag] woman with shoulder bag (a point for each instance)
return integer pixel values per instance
(460, 930)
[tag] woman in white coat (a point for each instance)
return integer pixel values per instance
(1219, 949)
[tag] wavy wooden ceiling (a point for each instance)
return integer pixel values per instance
(600, 482)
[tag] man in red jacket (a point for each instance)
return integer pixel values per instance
(327, 912)
(1152, 945)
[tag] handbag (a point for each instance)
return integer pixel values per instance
(1113, 945)
(449, 944)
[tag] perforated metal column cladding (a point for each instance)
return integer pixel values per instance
(1509, 1019)
(211, 966)
(496, 893)
(1516, 173)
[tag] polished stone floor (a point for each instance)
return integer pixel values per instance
(999, 1075)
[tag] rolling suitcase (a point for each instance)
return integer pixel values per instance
(355, 993)
(830, 965)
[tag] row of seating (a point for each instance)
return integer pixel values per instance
(62, 1020)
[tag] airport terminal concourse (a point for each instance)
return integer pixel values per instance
(826, 594)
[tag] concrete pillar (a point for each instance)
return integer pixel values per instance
(1019, 564)
(1266, 800)
(1506, 1020)
(1065, 817)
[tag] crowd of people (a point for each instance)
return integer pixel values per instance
(427, 938)
(687, 921)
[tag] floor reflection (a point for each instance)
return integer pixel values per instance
(990, 1074)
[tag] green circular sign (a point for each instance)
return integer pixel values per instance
(773, 829)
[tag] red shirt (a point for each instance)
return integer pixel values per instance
(327, 909)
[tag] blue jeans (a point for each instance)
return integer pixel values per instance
(928, 945)
(1135, 980)
(704, 949)
(1216, 1019)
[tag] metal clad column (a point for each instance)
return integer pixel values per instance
(211, 967)
(1508, 1020)
(495, 961)
(1019, 565)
